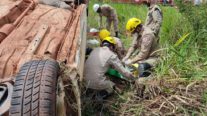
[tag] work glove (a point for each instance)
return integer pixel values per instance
(116, 34)
(128, 62)
(124, 59)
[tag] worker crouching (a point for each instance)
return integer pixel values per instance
(110, 14)
(119, 48)
(97, 64)
(145, 42)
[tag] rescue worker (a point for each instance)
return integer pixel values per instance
(110, 14)
(145, 41)
(97, 64)
(119, 48)
(154, 16)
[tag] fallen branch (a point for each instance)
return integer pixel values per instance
(188, 86)
(169, 102)
(180, 99)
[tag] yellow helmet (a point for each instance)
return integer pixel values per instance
(103, 34)
(110, 40)
(132, 24)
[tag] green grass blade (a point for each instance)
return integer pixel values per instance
(179, 41)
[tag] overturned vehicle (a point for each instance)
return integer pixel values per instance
(42, 53)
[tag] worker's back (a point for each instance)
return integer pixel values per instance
(96, 66)
(154, 18)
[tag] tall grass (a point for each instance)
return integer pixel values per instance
(188, 59)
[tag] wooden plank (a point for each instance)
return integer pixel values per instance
(37, 39)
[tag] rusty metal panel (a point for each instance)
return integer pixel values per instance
(64, 38)
(80, 56)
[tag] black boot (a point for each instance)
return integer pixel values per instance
(144, 69)
(102, 95)
(116, 34)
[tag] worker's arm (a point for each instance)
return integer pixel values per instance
(119, 51)
(132, 47)
(114, 17)
(157, 17)
(116, 63)
(145, 48)
(116, 24)
(119, 48)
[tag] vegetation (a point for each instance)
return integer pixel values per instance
(179, 83)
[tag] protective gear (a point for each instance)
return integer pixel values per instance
(96, 7)
(144, 69)
(93, 30)
(136, 65)
(116, 34)
(110, 40)
(102, 95)
(128, 62)
(132, 24)
(103, 34)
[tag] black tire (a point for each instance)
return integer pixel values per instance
(34, 91)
